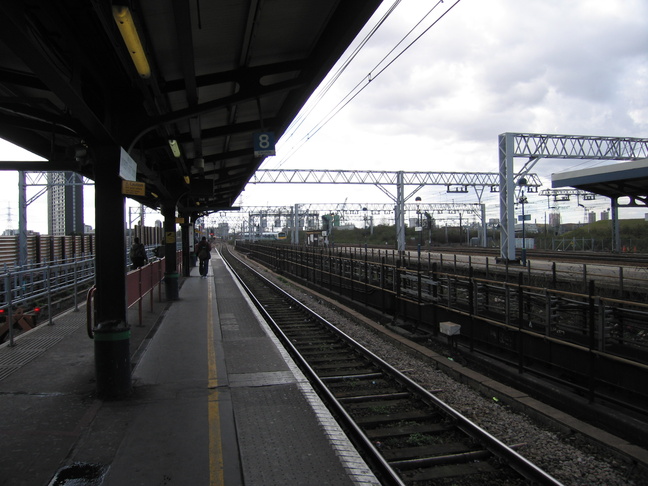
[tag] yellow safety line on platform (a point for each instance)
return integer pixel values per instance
(215, 444)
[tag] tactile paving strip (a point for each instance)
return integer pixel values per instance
(32, 344)
(18, 356)
(39, 342)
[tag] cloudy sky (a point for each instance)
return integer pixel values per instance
(576, 67)
(485, 68)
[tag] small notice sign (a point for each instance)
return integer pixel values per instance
(170, 237)
(127, 166)
(132, 188)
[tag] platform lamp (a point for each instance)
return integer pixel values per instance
(126, 26)
(175, 148)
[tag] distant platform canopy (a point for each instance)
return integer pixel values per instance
(627, 179)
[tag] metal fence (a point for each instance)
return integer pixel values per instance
(25, 291)
(40, 290)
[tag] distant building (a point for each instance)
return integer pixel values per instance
(222, 230)
(65, 204)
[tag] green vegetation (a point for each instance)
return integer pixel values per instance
(385, 235)
(379, 410)
(595, 236)
(598, 236)
(418, 439)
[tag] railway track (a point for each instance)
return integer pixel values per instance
(404, 432)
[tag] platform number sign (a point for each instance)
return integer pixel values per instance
(264, 144)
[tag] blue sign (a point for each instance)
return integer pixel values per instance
(264, 144)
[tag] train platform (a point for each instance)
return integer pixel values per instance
(215, 401)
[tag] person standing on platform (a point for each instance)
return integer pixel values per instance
(138, 254)
(203, 249)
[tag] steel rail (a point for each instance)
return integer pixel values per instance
(524, 467)
(350, 425)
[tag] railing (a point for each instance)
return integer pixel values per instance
(142, 282)
(139, 283)
(33, 290)
(24, 289)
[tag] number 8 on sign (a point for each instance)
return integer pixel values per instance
(264, 141)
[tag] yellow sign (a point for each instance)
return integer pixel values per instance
(132, 188)
(180, 220)
(170, 237)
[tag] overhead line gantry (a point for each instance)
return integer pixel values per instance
(300, 211)
(456, 182)
(534, 147)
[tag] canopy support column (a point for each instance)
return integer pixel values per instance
(111, 331)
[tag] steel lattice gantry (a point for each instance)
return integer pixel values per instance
(45, 180)
(555, 193)
(379, 178)
(454, 181)
(538, 146)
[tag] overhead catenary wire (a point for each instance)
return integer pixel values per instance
(360, 86)
(357, 88)
(297, 122)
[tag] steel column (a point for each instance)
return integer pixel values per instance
(112, 332)
(186, 248)
(22, 219)
(616, 234)
(400, 213)
(506, 195)
(484, 237)
(171, 264)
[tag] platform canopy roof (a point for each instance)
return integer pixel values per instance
(626, 179)
(218, 72)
